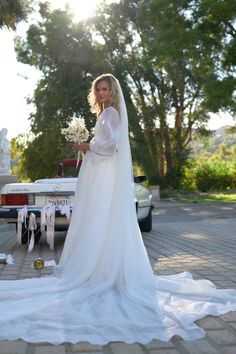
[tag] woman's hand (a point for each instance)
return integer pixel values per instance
(83, 146)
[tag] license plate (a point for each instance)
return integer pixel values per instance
(58, 201)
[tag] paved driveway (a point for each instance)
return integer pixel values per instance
(185, 237)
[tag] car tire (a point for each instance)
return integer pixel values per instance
(146, 224)
(26, 235)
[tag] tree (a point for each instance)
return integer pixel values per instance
(61, 50)
(18, 146)
(168, 65)
(13, 11)
(215, 20)
(167, 55)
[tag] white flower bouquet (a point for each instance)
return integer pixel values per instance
(76, 132)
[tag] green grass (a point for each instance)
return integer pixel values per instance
(204, 198)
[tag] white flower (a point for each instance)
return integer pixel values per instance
(76, 131)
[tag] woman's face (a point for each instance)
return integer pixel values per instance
(103, 92)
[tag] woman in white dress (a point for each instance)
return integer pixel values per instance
(104, 288)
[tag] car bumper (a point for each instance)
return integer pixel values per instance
(61, 222)
(11, 215)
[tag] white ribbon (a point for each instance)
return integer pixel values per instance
(32, 227)
(50, 223)
(47, 222)
(80, 156)
(65, 210)
(10, 259)
(21, 218)
(43, 220)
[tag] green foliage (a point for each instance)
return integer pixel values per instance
(171, 52)
(215, 177)
(207, 176)
(208, 198)
(220, 94)
(42, 155)
(13, 11)
(213, 165)
(174, 60)
(63, 52)
(188, 180)
(137, 170)
(18, 145)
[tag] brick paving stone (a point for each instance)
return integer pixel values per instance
(228, 273)
(206, 272)
(46, 349)
(229, 349)
(201, 346)
(6, 272)
(165, 272)
(209, 323)
(222, 336)
(46, 273)
(157, 344)
(226, 284)
(123, 348)
(233, 266)
(216, 278)
(233, 325)
(229, 317)
(85, 347)
(176, 270)
(89, 352)
(162, 351)
(13, 347)
(29, 267)
(7, 277)
(10, 268)
(27, 275)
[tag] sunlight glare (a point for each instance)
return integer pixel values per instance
(81, 9)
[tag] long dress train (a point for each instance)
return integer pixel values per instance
(104, 288)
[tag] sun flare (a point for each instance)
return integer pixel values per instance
(81, 9)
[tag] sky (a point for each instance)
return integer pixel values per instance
(18, 80)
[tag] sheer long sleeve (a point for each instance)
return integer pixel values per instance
(106, 134)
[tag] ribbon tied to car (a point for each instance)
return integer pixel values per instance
(32, 227)
(21, 218)
(65, 210)
(47, 224)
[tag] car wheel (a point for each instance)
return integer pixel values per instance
(26, 235)
(146, 224)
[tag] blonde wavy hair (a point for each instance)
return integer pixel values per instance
(95, 107)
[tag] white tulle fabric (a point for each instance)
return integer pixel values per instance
(107, 133)
(104, 288)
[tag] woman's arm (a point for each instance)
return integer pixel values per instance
(106, 143)
(83, 146)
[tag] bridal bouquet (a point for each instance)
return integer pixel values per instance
(76, 133)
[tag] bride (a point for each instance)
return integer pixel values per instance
(103, 288)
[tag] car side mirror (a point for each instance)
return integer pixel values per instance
(140, 179)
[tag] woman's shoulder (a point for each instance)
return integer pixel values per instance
(111, 110)
(110, 115)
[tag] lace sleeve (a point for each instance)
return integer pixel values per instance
(105, 140)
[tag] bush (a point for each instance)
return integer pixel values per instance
(188, 180)
(210, 176)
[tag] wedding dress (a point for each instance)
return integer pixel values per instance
(104, 288)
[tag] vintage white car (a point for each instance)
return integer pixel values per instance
(59, 191)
